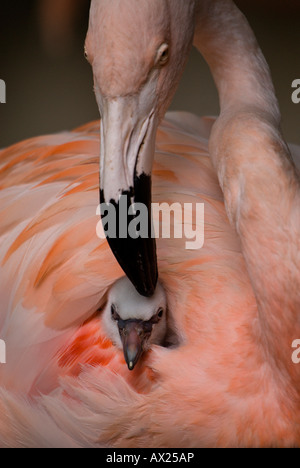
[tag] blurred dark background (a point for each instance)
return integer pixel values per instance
(50, 86)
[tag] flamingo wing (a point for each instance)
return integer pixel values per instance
(64, 383)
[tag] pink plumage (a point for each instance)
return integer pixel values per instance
(234, 304)
(64, 383)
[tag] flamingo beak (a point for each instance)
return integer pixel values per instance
(134, 334)
(128, 135)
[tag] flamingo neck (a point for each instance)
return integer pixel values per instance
(259, 180)
(225, 39)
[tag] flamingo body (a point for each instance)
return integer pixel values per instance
(65, 384)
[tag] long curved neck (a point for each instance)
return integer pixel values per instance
(225, 39)
(260, 183)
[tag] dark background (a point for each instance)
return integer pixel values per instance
(49, 83)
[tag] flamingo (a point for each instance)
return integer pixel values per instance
(147, 327)
(230, 380)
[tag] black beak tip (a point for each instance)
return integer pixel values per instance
(147, 286)
(132, 360)
(131, 365)
(136, 256)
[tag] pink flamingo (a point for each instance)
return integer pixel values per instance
(230, 381)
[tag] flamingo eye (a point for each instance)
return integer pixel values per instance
(162, 55)
(160, 313)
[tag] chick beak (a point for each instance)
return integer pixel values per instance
(133, 336)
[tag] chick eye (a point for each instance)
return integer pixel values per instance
(162, 55)
(157, 317)
(160, 313)
(114, 315)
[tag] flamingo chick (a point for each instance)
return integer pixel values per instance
(134, 322)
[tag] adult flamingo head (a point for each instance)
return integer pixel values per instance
(138, 50)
